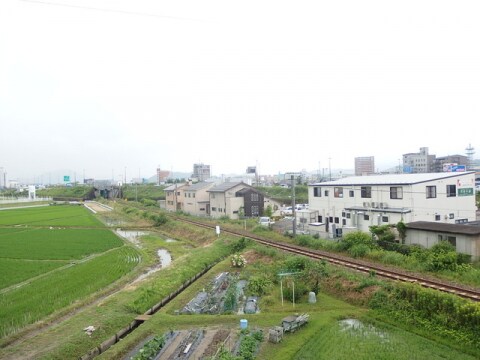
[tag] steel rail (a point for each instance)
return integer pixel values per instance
(339, 260)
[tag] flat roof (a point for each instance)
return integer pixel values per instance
(392, 179)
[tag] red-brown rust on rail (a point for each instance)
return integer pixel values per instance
(357, 265)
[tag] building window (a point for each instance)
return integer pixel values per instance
(320, 218)
(337, 220)
(214, 209)
(366, 217)
(396, 192)
(366, 192)
(338, 192)
(326, 193)
(254, 197)
(344, 222)
(451, 190)
(317, 191)
(385, 219)
(254, 209)
(351, 193)
(343, 213)
(330, 219)
(348, 215)
(437, 217)
(431, 192)
(451, 239)
(451, 216)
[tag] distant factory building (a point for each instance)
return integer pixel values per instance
(162, 176)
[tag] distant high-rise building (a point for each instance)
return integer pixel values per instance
(201, 172)
(420, 162)
(364, 165)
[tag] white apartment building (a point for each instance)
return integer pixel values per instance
(355, 203)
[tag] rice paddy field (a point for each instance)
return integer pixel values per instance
(52, 257)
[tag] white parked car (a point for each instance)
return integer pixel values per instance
(265, 221)
(288, 211)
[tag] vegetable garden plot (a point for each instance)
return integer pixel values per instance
(223, 295)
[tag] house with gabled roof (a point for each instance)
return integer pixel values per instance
(235, 199)
(197, 199)
(174, 197)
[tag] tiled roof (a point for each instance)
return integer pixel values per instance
(225, 186)
(444, 227)
(198, 186)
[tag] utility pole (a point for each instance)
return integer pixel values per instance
(294, 232)
(330, 168)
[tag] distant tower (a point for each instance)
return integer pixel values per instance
(470, 151)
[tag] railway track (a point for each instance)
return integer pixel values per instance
(357, 265)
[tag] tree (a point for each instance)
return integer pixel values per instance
(268, 211)
(313, 274)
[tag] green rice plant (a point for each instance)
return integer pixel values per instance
(14, 271)
(42, 297)
(56, 244)
(365, 341)
(62, 215)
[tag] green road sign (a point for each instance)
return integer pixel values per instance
(465, 192)
(66, 178)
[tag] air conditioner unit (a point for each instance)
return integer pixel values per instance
(366, 204)
(383, 205)
(374, 205)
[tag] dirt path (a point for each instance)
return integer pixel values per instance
(172, 347)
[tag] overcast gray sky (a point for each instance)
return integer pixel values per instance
(99, 86)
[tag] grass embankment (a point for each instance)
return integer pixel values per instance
(323, 337)
(142, 192)
(67, 192)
